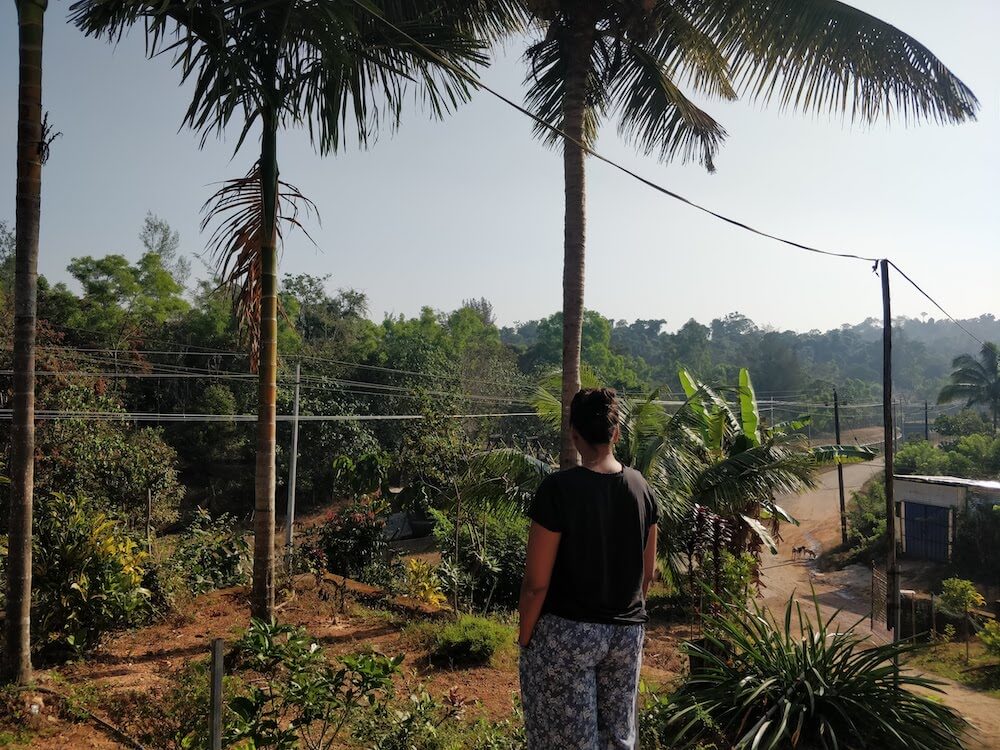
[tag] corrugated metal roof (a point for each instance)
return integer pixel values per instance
(979, 484)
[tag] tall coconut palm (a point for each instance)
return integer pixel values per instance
(324, 65)
(31, 147)
(976, 381)
(631, 58)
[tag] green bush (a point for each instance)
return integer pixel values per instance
(470, 641)
(990, 636)
(490, 562)
(958, 596)
(211, 553)
(353, 540)
(866, 520)
(87, 574)
(300, 698)
(977, 543)
(966, 422)
(771, 684)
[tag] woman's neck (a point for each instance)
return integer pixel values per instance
(601, 460)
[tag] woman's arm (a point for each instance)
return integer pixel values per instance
(542, 548)
(649, 559)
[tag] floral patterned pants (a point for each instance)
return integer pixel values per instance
(578, 685)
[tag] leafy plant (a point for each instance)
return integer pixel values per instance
(212, 553)
(361, 476)
(353, 540)
(487, 567)
(769, 684)
(990, 636)
(958, 596)
(87, 574)
(415, 724)
(422, 583)
(470, 640)
(298, 698)
(866, 520)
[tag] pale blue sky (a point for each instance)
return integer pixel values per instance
(472, 206)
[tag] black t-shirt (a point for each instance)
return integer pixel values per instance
(604, 520)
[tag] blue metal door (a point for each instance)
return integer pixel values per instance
(926, 529)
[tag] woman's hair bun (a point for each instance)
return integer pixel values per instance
(594, 414)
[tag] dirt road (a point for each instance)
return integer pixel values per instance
(849, 590)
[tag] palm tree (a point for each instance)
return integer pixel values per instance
(977, 381)
(31, 147)
(294, 62)
(631, 58)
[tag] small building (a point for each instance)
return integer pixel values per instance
(926, 508)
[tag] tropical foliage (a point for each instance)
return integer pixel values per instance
(976, 381)
(802, 682)
(87, 572)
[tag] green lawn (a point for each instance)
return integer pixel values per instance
(981, 672)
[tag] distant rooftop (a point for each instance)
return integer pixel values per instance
(979, 484)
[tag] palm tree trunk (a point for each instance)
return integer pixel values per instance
(262, 600)
(17, 656)
(574, 109)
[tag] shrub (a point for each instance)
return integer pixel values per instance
(212, 553)
(977, 542)
(470, 641)
(87, 574)
(771, 684)
(990, 636)
(301, 699)
(417, 724)
(866, 520)
(488, 568)
(958, 596)
(353, 541)
(966, 422)
(422, 583)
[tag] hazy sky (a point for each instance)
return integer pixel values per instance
(472, 206)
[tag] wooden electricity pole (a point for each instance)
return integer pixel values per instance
(840, 470)
(892, 571)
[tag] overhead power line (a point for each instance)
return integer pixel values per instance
(109, 416)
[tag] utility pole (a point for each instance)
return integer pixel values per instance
(840, 470)
(927, 424)
(290, 513)
(892, 572)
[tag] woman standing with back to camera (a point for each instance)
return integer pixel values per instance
(591, 556)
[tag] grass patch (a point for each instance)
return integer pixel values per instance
(982, 672)
(469, 641)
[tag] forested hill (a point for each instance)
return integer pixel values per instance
(643, 354)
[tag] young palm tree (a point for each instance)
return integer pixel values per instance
(630, 58)
(292, 62)
(977, 381)
(31, 147)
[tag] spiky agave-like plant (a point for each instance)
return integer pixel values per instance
(766, 684)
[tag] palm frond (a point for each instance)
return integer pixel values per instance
(334, 67)
(237, 211)
(502, 482)
(825, 56)
(656, 115)
(546, 82)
